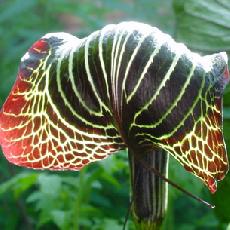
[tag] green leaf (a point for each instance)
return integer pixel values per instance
(60, 218)
(15, 9)
(34, 197)
(203, 25)
(112, 224)
(227, 113)
(222, 200)
(50, 184)
(19, 183)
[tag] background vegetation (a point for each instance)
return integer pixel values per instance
(97, 197)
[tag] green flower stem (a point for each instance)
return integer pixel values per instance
(78, 201)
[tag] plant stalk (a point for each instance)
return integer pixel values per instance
(149, 192)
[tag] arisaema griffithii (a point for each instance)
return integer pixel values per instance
(128, 85)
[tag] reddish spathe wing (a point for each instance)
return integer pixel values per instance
(39, 126)
(202, 150)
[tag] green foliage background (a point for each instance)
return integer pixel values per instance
(97, 197)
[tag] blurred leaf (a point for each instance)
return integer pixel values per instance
(35, 196)
(19, 183)
(222, 200)
(226, 113)
(50, 184)
(16, 8)
(60, 218)
(112, 224)
(203, 25)
(228, 227)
